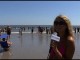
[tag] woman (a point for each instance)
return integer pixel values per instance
(64, 49)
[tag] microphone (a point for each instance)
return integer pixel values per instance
(54, 37)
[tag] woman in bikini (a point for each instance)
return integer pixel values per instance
(64, 49)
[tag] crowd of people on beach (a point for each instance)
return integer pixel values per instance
(6, 32)
(47, 30)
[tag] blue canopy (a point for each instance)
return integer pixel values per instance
(4, 36)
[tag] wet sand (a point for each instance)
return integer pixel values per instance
(33, 46)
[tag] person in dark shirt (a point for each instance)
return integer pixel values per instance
(5, 44)
(8, 30)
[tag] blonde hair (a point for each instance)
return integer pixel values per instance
(69, 30)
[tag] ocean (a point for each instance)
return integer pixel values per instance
(15, 28)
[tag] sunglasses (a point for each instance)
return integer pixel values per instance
(59, 23)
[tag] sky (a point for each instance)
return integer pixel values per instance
(38, 12)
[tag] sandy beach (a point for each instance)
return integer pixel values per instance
(33, 46)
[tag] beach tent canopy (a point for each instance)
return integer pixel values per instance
(4, 36)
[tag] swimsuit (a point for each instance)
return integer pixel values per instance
(62, 50)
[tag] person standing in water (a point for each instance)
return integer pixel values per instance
(8, 30)
(32, 30)
(20, 31)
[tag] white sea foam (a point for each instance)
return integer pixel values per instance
(25, 32)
